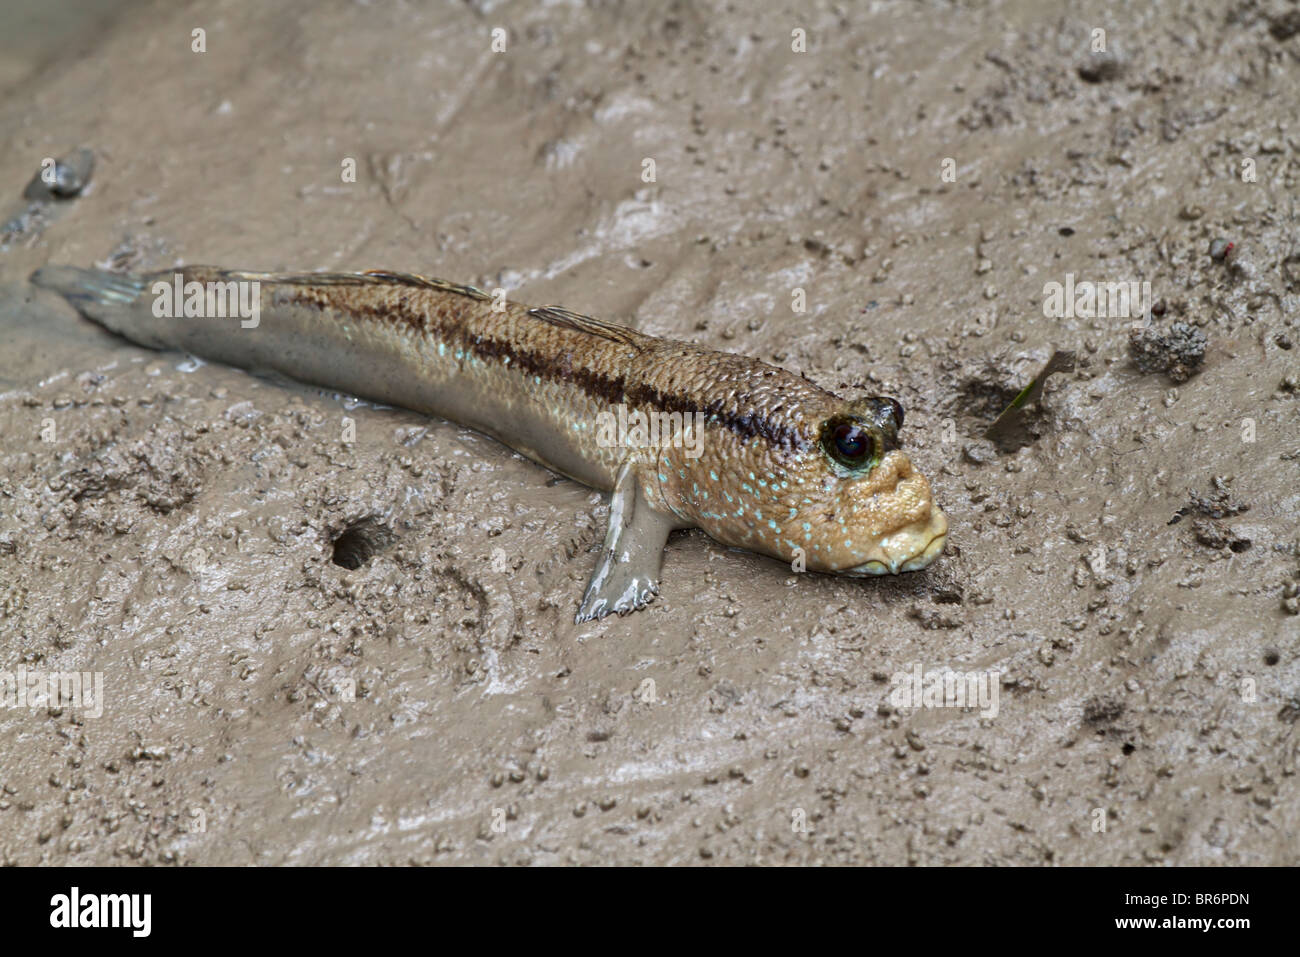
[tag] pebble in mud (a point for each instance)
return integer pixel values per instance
(55, 182)
(66, 181)
(1218, 536)
(1284, 26)
(64, 178)
(1101, 68)
(1218, 503)
(1178, 354)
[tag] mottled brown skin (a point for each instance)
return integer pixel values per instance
(536, 379)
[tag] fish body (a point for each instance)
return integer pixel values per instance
(754, 455)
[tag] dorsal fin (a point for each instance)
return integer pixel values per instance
(428, 282)
(369, 277)
(566, 319)
(555, 315)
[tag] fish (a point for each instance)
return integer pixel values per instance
(679, 436)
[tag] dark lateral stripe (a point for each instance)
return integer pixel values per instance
(744, 424)
(611, 389)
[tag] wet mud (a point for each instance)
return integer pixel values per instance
(335, 633)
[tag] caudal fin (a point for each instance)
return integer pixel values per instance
(90, 286)
(114, 300)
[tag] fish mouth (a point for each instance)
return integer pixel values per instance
(907, 550)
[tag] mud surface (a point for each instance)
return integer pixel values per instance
(209, 542)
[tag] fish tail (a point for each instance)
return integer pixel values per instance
(116, 301)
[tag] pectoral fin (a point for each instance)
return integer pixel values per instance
(627, 572)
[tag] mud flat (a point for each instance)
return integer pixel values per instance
(325, 651)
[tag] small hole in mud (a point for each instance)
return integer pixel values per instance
(1271, 656)
(988, 390)
(980, 401)
(1128, 748)
(359, 543)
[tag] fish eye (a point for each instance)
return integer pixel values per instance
(850, 441)
(849, 444)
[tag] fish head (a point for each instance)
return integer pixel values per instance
(875, 514)
(840, 496)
